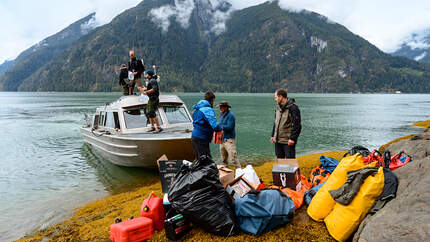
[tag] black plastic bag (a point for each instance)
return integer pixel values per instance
(199, 196)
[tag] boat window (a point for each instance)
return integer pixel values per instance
(116, 119)
(102, 119)
(110, 123)
(136, 118)
(176, 114)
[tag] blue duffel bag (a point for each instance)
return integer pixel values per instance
(261, 211)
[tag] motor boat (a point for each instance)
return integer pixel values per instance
(120, 131)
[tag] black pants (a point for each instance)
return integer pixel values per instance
(285, 151)
(201, 147)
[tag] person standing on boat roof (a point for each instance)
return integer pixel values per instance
(227, 121)
(287, 125)
(152, 91)
(205, 123)
(123, 81)
(137, 68)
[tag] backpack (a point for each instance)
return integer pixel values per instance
(358, 149)
(318, 176)
(374, 156)
(395, 161)
(261, 211)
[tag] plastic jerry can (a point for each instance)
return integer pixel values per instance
(152, 208)
(176, 227)
(137, 229)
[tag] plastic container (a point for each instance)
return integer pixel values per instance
(137, 229)
(286, 176)
(143, 98)
(176, 227)
(152, 208)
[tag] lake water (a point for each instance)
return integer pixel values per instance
(46, 170)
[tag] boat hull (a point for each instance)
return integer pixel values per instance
(139, 150)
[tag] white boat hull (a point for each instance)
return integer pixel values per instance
(141, 150)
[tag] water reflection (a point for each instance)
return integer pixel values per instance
(115, 178)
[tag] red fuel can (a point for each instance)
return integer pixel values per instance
(137, 229)
(152, 208)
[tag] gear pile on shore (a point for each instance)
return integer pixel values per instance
(407, 217)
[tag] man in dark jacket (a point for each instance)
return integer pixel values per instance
(227, 121)
(123, 81)
(287, 125)
(153, 93)
(136, 66)
(204, 122)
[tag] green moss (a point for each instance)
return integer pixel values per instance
(423, 124)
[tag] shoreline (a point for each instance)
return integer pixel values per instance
(92, 220)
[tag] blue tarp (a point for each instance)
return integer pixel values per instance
(263, 211)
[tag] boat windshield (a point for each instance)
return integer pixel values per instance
(136, 118)
(176, 114)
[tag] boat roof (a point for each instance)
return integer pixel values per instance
(136, 100)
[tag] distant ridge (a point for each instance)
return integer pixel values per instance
(41, 53)
(261, 49)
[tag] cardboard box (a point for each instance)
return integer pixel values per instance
(239, 187)
(163, 157)
(226, 175)
(288, 162)
(286, 175)
(168, 170)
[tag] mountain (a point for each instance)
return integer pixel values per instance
(416, 47)
(41, 53)
(257, 49)
(6, 65)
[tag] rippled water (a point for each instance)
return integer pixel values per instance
(46, 170)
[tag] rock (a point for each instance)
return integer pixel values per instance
(406, 217)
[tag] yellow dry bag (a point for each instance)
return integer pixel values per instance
(322, 203)
(343, 220)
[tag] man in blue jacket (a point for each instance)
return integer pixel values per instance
(204, 122)
(227, 122)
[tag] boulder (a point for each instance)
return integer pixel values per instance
(406, 217)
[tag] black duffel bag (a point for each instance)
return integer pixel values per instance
(199, 196)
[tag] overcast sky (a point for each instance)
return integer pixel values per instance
(384, 23)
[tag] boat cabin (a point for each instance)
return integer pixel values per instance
(127, 115)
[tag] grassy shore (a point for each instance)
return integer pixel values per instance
(91, 222)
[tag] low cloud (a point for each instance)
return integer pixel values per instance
(218, 12)
(181, 11)
(419, 40)
(420, 57)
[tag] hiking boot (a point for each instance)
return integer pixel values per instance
(158, 130)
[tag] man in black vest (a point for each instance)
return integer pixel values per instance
(287, 125)
(124, 82)
(136, 66)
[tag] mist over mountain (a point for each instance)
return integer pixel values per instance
(416, 47)
(41, 53)
(201, 44)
